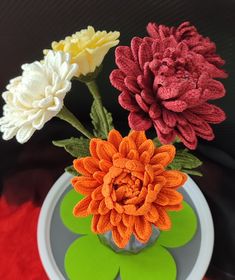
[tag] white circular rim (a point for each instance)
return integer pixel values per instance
(202, 208)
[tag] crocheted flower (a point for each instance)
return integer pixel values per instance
(126, 186)
(37, 96)
(87, 48)
(188, 34)
(87, 258)
(167, 80)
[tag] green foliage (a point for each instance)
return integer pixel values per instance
(97, 121)
(77, 147)
(185, 161)
(70, 169)
(157, 142)
(90, 76)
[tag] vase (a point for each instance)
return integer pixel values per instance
(54, 238)
(134, 246)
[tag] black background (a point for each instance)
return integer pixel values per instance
(28, 27)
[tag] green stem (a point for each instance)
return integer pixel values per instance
(69, 117)
(93, 88)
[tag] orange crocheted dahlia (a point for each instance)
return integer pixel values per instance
(126, 186)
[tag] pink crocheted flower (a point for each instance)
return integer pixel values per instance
(166, 81)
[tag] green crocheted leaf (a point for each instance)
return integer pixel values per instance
(77, 147)
(185, 160)
(76, 225)
(99, 126)
(71, 170)
(88, 259)
(184, 226)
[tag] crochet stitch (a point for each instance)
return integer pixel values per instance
(126, 186)
(166, 81)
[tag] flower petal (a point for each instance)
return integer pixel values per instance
(170, 149)
(115, 217)
(127, 66)
(79, 166)
(139, 121)
(117, 79)
(164, 222)
(91, 164)
(142, 229)
(105, 165)
(128, 102)
(115, 138)
(81, 208)
(84, 185)
(104, 224)
(138, 137)
(93, 147)
(174, 178)
(173, 196)
(105, 150)
(118, 239)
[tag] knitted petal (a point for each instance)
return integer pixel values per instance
(152, 216)
(84, 185)
(144, 54)
(143, 229)
(213, 89)
(169, 118)
(174, 178)
(131, 84)
(91, 164)
(164, 222)
(123, 51)
(117, 79)
(93, 147)
(127, 66)
(141, 103)
(118, 239)
(81, 209)
(128, 102)
(210, 113)
(165, 138)
(104, 224)
(170, 149)
(79, 166)
(105, 150)
(135, 44)
(174, 197)
(139, 121)
(115, 138)
(175, 106)
(138, 137)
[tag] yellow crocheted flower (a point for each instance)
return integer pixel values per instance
(87, 48)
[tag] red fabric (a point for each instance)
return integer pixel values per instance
(166, 81)
(19, 258)
(24, 189)
(23, 193)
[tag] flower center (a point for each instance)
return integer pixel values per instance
(127, 186)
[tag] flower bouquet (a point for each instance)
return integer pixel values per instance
(125, 199)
